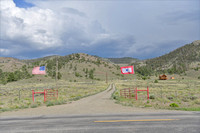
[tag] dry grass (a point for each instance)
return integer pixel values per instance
(19, 96)
(185, 93)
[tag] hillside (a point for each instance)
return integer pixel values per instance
(8, 64)
(184, 58)
(81, 67)
(74, 67)
(124, 60)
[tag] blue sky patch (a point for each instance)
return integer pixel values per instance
(23, 4)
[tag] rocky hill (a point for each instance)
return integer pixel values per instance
(184, 58)
(8, 64)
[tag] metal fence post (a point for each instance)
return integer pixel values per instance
(33, 95)
(19, 94)
(136, 93)
(148, 92)
(44, 95)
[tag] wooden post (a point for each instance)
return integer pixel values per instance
(19, 94)
(176, 94)
(124, 93)
(56, 69)
(136, 93)
(44, 95)
(106, 77)
(57, 93)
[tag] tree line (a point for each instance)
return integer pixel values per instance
(22, 73)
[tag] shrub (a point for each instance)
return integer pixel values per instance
(39, 103)
(144, 77)
(152, 97)
(173, 105)
(170, 98)
(24, 106)
(156, 81)
(197, 101)
(59, 102)
(115, 97)
(49, 103)
(193, 97)
(185, 99)
(147, 105)
(34, 105)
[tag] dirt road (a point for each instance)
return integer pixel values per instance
(96, 104)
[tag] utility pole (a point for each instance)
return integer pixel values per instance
(106, 77)
(56, 69)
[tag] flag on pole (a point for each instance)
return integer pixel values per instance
(39, 70)
(127, 70)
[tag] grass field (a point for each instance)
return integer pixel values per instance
(19, 96)
(179, 94)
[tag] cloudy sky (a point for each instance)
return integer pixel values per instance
(107, 28)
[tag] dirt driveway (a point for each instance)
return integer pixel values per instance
(96, 104)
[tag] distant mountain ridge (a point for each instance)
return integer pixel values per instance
(187, 56)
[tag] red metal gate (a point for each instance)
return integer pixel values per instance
(127, 93)
(49, 94)
(132, 93)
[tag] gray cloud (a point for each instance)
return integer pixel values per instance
(72, 11)
(178, 17)
(113, 46)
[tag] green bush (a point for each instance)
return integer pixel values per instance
(152, 97)
(49, 103)
(147, 105)
(144, 77)
(173, 105)
(115, 97)
(185, 99)
(39, 103)
(193, 98)
(156, 81)
(59, 102)
(24, 106)
(170, 98)
(34, 105)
